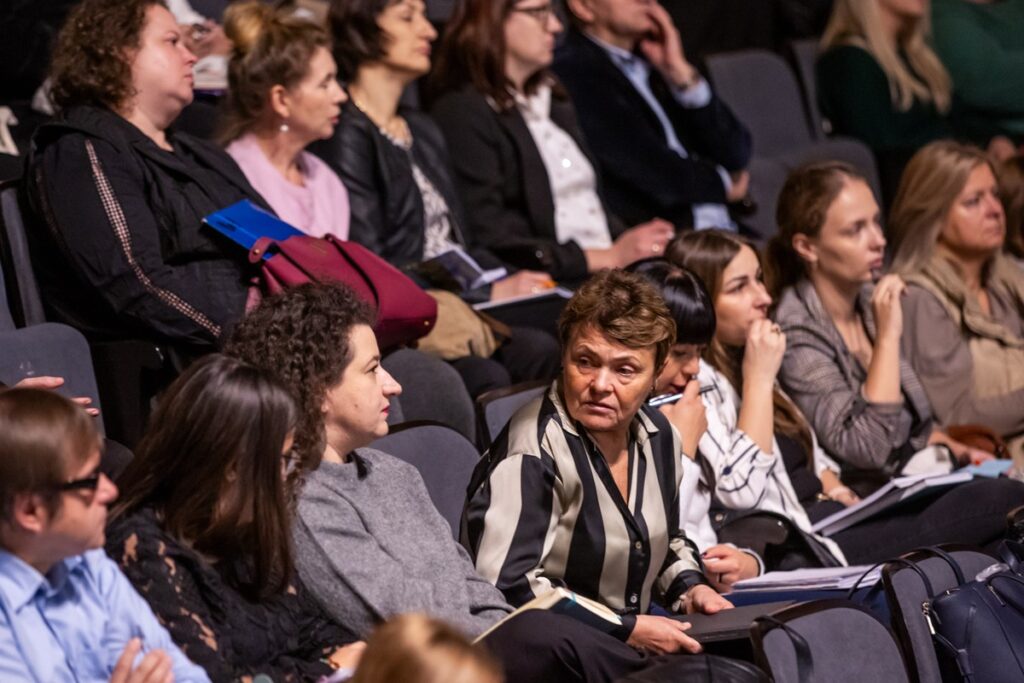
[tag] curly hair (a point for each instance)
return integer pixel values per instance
(626, 308)
(301, 337)
(90, 60)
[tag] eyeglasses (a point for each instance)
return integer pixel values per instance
(90, 483)
(542, 13)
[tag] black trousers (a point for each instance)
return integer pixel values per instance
(973, 514)
(542, 647)
(529, 354)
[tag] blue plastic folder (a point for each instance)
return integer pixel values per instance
(244, 223)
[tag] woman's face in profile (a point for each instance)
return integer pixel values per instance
(742, 300)
(976, 225)
(604, 382)
(357, 406)
(407, 37)
(850, 247)
(315, 102)
(530, 30)
(162, 67)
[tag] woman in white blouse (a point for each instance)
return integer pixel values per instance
(529, 188)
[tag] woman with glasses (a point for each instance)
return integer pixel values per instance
(529, 186)
(203, 529)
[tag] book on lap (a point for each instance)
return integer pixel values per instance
(896, 492)
(564, 601)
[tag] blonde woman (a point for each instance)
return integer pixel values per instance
(880, 81)
(964, 307)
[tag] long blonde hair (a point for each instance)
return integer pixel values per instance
(414, 648)
(929, 187)
(859, 22)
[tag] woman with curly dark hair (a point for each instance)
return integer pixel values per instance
(124, 253)
(369, 543)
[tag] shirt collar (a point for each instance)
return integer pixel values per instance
(623, 58)
(535, 107)
(20, 582)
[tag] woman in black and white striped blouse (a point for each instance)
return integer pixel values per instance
(581, 490)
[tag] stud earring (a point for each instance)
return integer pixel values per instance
(284, 128)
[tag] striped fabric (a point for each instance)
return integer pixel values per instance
(543, 511)
(747, 478)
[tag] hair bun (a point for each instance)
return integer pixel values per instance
(245, 22)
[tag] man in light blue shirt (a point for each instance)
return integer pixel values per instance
(67, 613)
(666, 145)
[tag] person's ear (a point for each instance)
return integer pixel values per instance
(30, 513)
(805, 248)
(281, 102)
(581, 9)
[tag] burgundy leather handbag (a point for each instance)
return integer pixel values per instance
(404, 311)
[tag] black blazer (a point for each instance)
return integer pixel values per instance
(387, 207)
(643, 178)
(504, 183)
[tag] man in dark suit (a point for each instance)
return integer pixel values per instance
(665, 144)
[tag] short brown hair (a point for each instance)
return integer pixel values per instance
(43, 438)
(271, 47)
(802, 208)
(414, 647)
(91, 63)
(473, 51)
(626, 308)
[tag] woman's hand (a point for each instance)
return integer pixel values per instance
(661, 636)
(888, 310)
(843, 495)
(642, 241)
(964, 454)
(687, 415)
(347, 656)
(703, 599)
(726, 565)
(763, 352)
(523, 283)
(43, 382)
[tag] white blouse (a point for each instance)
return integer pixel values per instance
(747, 478)
(579, 216)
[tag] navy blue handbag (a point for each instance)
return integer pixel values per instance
(978, 626)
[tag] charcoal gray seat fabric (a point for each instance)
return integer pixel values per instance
(53, 350)
(497, 407)
(763, 91)
(445, 459)
(805, 54)
(6, 319)
(23, 290)
(827, 641)
(906, 593)
(432, 390)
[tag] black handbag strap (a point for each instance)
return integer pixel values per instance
(1012, 553)
(958, 572)
(804, 660)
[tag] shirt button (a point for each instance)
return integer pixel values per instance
(566, 163)
(638, 545)
(632, 599)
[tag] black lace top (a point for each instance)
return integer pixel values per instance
(285, 636)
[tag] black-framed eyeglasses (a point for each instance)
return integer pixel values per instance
(90, 483)
(541, 13)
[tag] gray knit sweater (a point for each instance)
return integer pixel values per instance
(370, 544)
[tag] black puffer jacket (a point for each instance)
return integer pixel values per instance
(118, 241)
